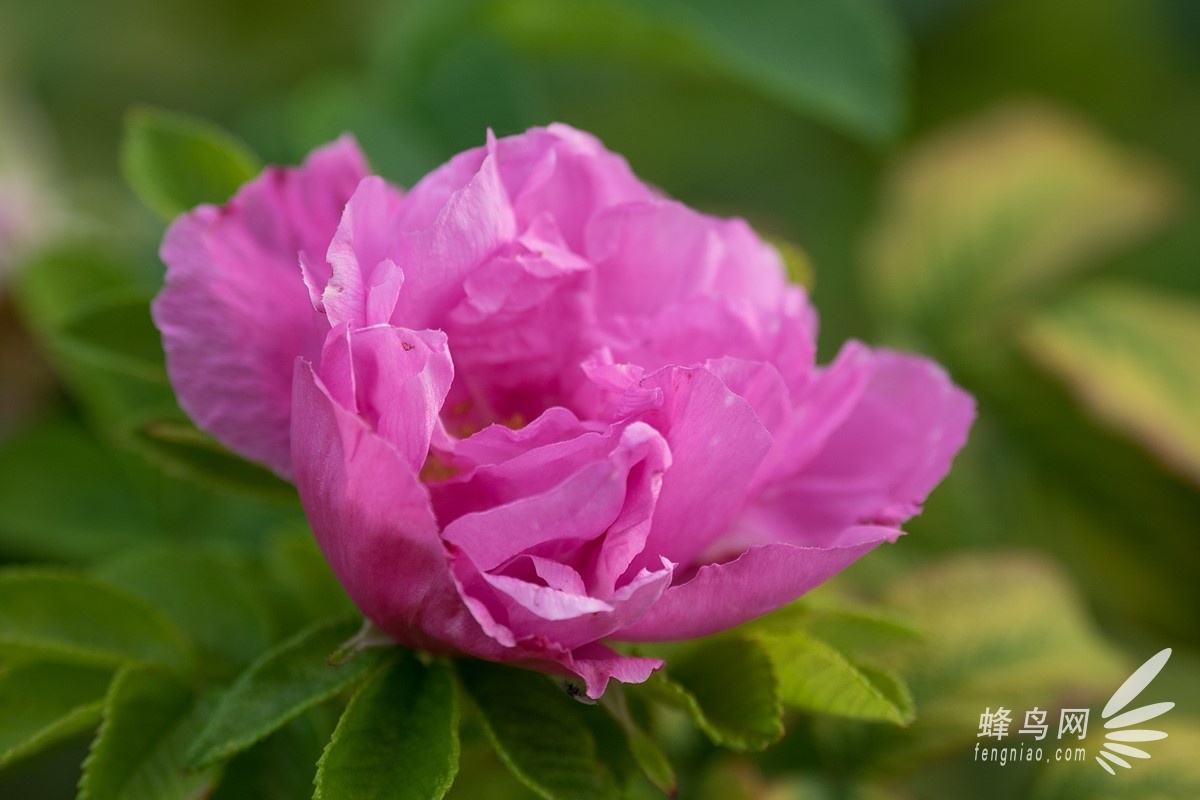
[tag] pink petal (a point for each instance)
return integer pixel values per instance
(651, 254)
(234, 311)
(760, 580)
(475, 221)
(568, 175)
(881, 435)
(372, 519)
(597, 664)
(528, 503)
(394, 379)
(360, 248)
(717, 444)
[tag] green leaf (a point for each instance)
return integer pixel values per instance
(842, 63)
(138, 753)
(984, 218)
(816, 677)
(287, 681)
(108, 352)
(71, 618)
(166, 438)
(63, 498)
(729, 687)
(856, 631)
(1130, 355)
(398, 737)
(205, 593)
(44, 703)
(56, 284)
(303, 586)
(999, 629)
(281, 766)
(646, 752)
(533, 727)
(174, 162)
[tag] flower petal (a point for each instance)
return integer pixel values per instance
(372, 519)
(651, 254)
(234, 311)
(869, 451)
(394, 379)
(760, 580)
(717, 444)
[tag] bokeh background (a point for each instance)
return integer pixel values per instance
(1010, 186)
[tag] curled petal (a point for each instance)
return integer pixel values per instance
(394, 379)
(760, 580)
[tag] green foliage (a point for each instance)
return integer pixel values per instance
(281, 766)
(93, 319)
(175, 162)
(815, 676)
(79, 620)
(533, 728)
(304, 587)
(138, 753)
(1007, 630)
(841, 62)
(1130, 355)
(729, 687)
(285, 682)
(1051, 268)
(985, 218)
(203, 592)
(398, 737)
(42, 703)
(62, 498)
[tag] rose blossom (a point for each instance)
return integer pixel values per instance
(532, 405)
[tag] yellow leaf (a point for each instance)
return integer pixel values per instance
(988, 214)
(1133, 357)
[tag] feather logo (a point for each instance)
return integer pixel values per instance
(1117, 745)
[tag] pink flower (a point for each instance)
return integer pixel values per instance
(533, 406)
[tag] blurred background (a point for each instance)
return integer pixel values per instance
(1009, 186)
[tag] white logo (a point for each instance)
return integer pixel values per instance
(1129, 691)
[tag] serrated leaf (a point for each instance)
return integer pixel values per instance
(982, 219)
(175, 162)
(203, 591)
(1130, 355)
(75, 619)
(534, 729)
(397, 739)
(284, 683)
(815, 676)
(856, 631)
(138, 753)
(44, 703)
(729, 687)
